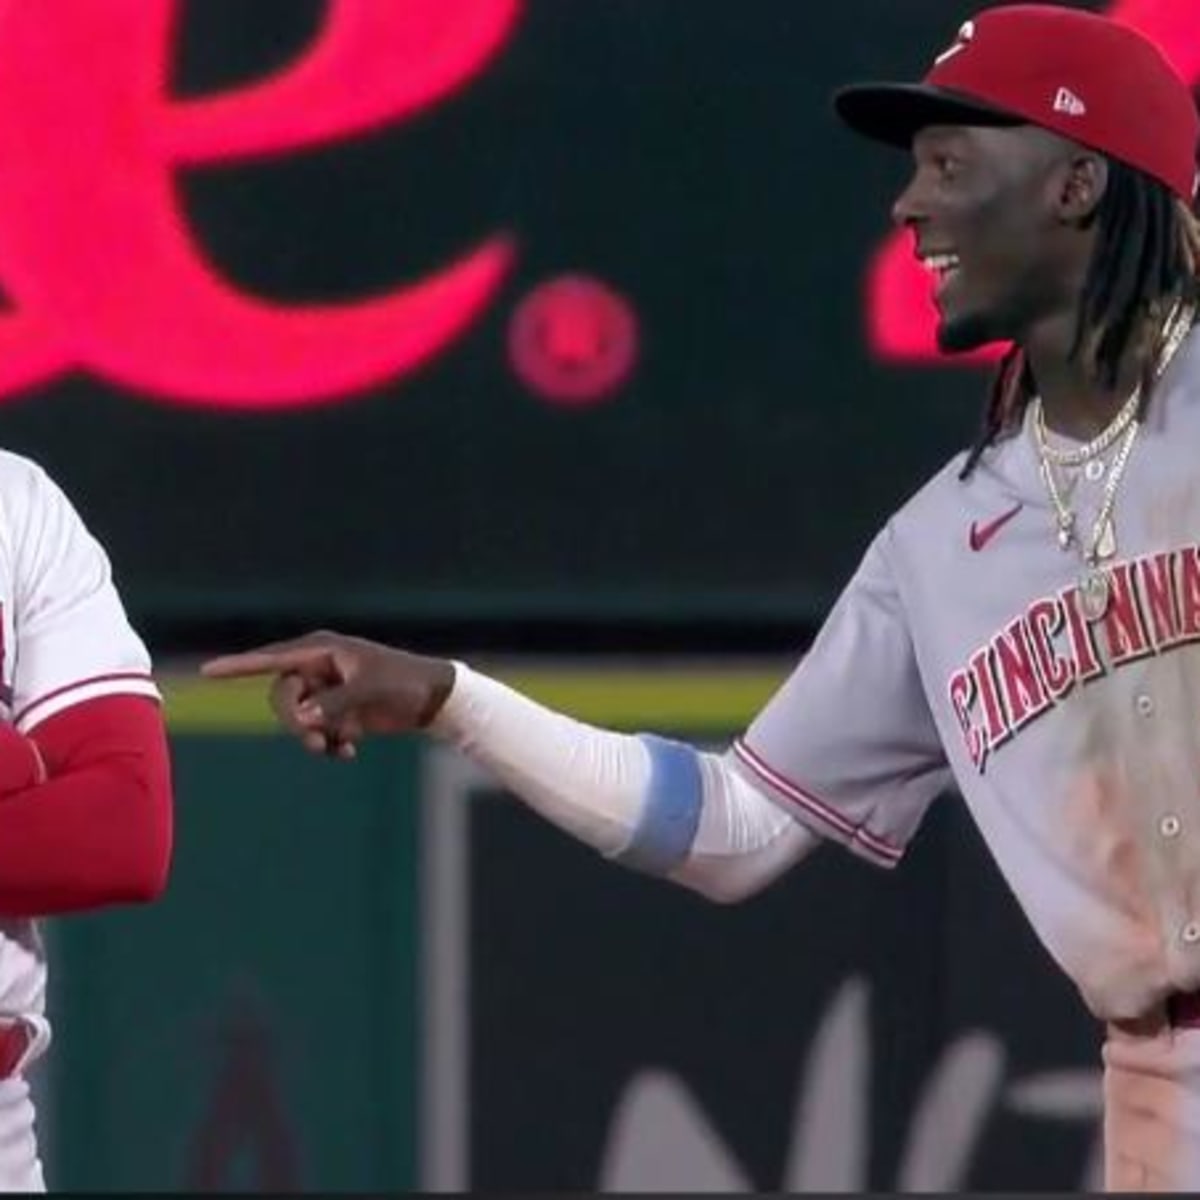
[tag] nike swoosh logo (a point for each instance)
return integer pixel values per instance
(980, 535)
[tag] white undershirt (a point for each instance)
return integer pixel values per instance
(592, 783)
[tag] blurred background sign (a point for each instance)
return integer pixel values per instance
(255, 1030)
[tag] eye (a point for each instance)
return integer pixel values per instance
(947, 166)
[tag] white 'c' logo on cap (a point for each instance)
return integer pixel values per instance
(965, 36)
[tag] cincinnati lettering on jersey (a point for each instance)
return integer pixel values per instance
(1050, 649)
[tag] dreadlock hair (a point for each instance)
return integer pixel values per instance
(1146, 258)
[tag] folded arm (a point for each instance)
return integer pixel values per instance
(85, 808)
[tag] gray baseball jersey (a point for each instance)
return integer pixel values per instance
(961, 653)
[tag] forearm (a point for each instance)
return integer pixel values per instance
(99, 830)
(662, 807)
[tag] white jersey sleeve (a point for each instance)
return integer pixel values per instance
(848, 743)
(67, 634)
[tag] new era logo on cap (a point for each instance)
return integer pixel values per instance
(1065, 101)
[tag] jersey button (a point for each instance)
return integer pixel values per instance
(1144, 705)
(1191, 933)
(1170, 826)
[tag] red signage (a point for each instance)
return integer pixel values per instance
(901, 318)
(573, 341)
(96, 257)
(102, 272)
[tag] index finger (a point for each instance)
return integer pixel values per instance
(266, 660)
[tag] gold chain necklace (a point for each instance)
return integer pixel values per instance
(1095, 587)
(1093, 449)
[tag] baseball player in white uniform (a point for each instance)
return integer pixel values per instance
(85, 790)
(1026, 627)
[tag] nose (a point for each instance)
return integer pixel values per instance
(908, 209)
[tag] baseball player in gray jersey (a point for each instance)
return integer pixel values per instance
(1026, 627)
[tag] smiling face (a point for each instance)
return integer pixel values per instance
(1000, 217)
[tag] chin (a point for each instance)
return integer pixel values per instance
(959, 333)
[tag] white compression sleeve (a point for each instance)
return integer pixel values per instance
(664, 807)
(745, 840)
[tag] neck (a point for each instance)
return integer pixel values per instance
(1076, 403)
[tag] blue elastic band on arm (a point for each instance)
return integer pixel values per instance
(670, 813)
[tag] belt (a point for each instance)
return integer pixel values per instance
(1183, 1010)
(15, 1040)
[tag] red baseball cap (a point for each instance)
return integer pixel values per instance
(1084, 76)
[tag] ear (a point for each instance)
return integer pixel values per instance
(1083, 184)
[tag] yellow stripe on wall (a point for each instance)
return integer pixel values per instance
(682, 698)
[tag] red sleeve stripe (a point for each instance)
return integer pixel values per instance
(132, 681)
(873, 845)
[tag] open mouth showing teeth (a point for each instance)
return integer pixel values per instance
(942, 266)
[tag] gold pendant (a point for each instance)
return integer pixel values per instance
(1094, 593)
(1106, 547)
